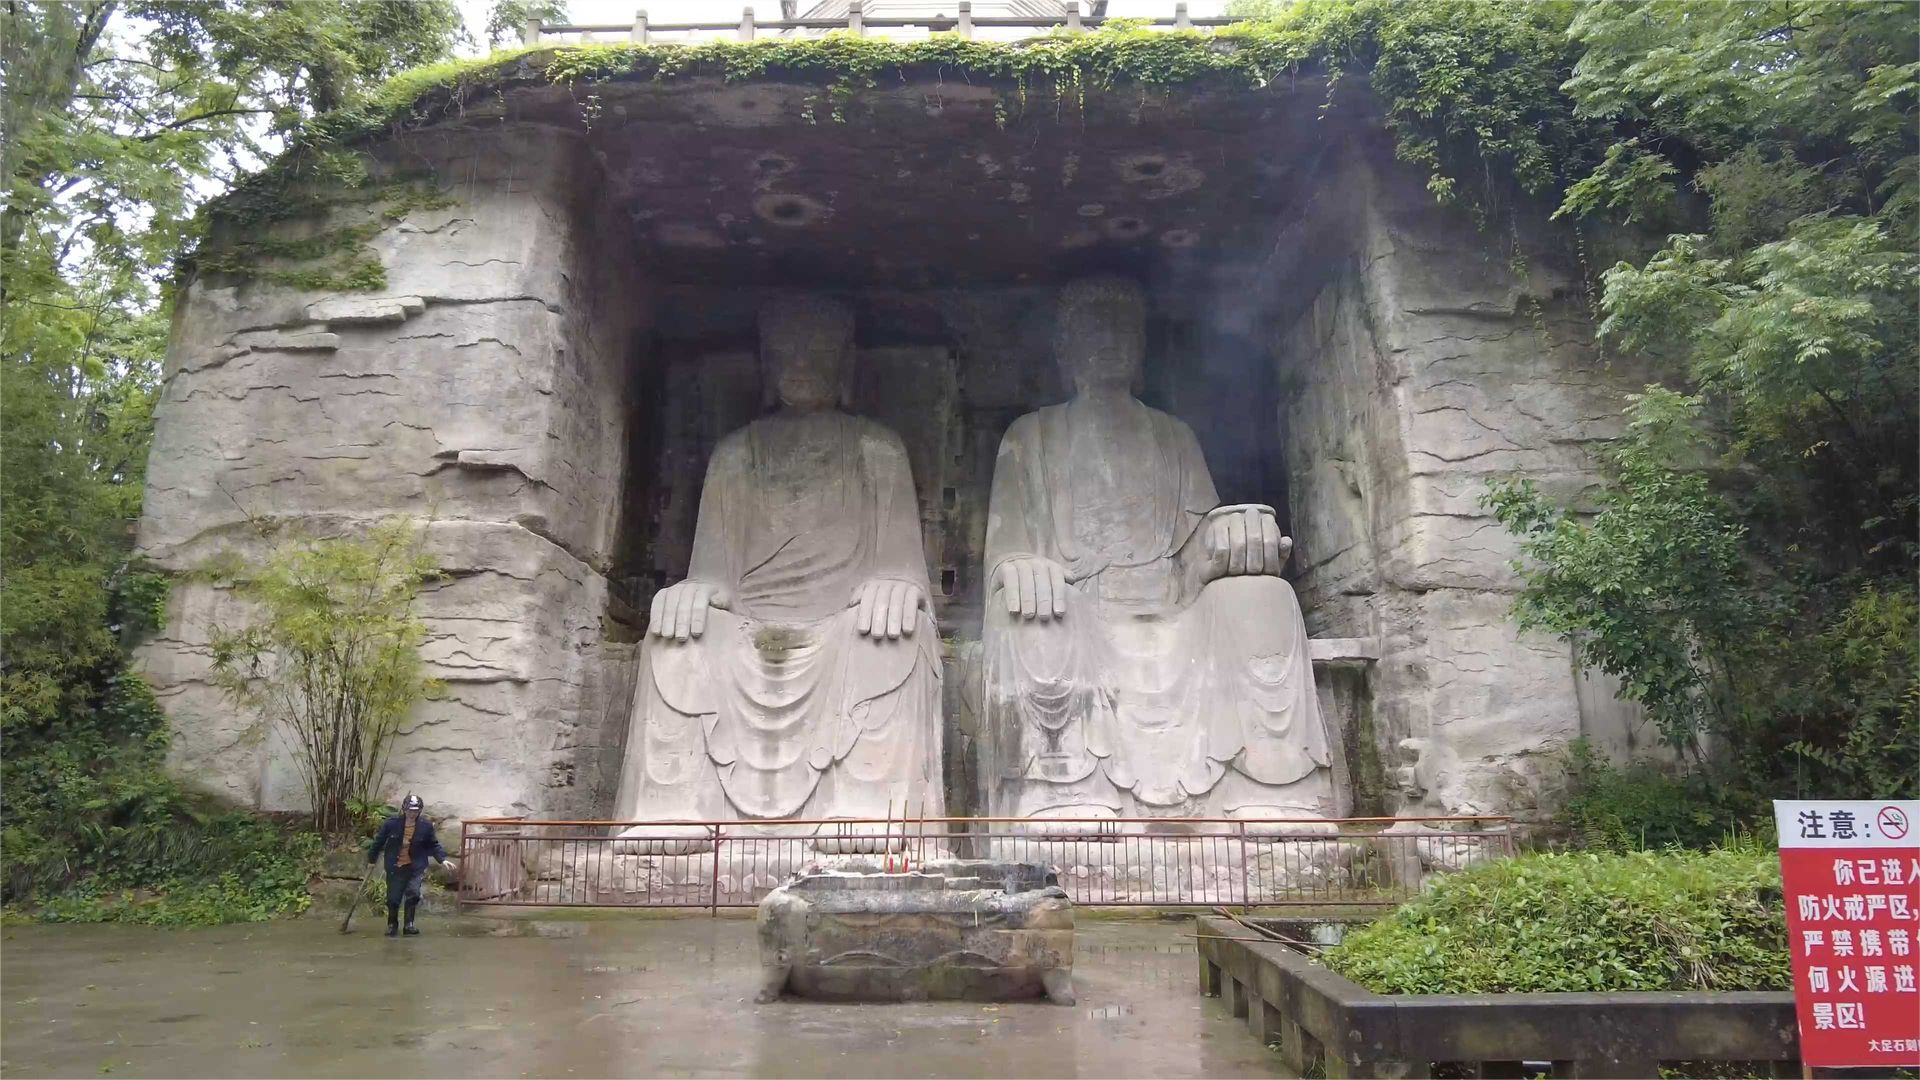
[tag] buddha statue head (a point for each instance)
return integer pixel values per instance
(806, 352)
(1100, 336)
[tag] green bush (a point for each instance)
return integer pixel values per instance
(1643, 806)
(146, 103)
(1673, 920)
(96, 831)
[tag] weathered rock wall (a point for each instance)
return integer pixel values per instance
(556, 353)
(1428, 364)
(474, 392)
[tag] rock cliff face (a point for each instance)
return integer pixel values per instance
(1424, 364)
(482, 390)
(556, 349)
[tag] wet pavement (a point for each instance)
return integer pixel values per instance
(658, 997)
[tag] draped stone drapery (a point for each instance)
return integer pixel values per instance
(781, 708)
(1149, 695)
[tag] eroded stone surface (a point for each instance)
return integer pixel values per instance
(558, 352)
(476, 398)
(1425, 370)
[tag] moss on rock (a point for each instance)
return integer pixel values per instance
(1469, 90)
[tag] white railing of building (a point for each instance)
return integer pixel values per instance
(963, 23)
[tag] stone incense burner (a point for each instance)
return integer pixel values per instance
(972, 930)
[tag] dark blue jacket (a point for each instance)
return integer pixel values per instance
(425, 843)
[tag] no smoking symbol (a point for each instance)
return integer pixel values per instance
(1892, 821)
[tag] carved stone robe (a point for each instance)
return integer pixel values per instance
(781, 709)
(1142, 699)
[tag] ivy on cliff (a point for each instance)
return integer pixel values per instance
(1470, 89)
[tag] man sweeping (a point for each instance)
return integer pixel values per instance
(407, 839)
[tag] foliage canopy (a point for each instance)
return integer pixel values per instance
(116, 120)
(1750, 575)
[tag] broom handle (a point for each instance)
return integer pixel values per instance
(355, 905)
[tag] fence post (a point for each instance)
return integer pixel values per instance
(1073, 16)
(746, 24)
(854, 22)
(466, 852)
(713, 889)
(1182, 20)
(965, 25)
(1246, 871)
(639, 35)
(530, 33)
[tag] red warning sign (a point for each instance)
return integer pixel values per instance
(1851, 872)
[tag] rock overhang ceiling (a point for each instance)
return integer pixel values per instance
(936, 182)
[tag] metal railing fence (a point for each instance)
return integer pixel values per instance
(1125, 862)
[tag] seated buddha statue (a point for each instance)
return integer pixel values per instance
(795, 673)
(1143, 657)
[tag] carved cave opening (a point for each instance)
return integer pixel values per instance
(950, 238)
(559, 347)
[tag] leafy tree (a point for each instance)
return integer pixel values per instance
(1766, 597)
(1653, 588)
(334, 662)
(117, 119)
(507, 18)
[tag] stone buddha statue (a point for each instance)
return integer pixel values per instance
(1143, 656)
(795, 672)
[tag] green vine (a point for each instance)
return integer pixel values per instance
(1471, 92)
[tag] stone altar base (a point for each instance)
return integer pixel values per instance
(1210, 870)
(613, 874)
(971, 930)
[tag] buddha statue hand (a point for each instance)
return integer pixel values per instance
(1239, 540)
(888, 608)
(680, 612)
(1032, 587)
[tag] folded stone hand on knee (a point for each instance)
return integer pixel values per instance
(680, 611)
(887, 608)
(1033, 588)
(1244, 540)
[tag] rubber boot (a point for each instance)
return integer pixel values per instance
(412, 906)
(393, 920)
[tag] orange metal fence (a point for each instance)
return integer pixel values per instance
(1145, 862)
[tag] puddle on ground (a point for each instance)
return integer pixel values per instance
(605, 997)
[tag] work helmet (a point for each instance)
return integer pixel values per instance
(412, 803)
